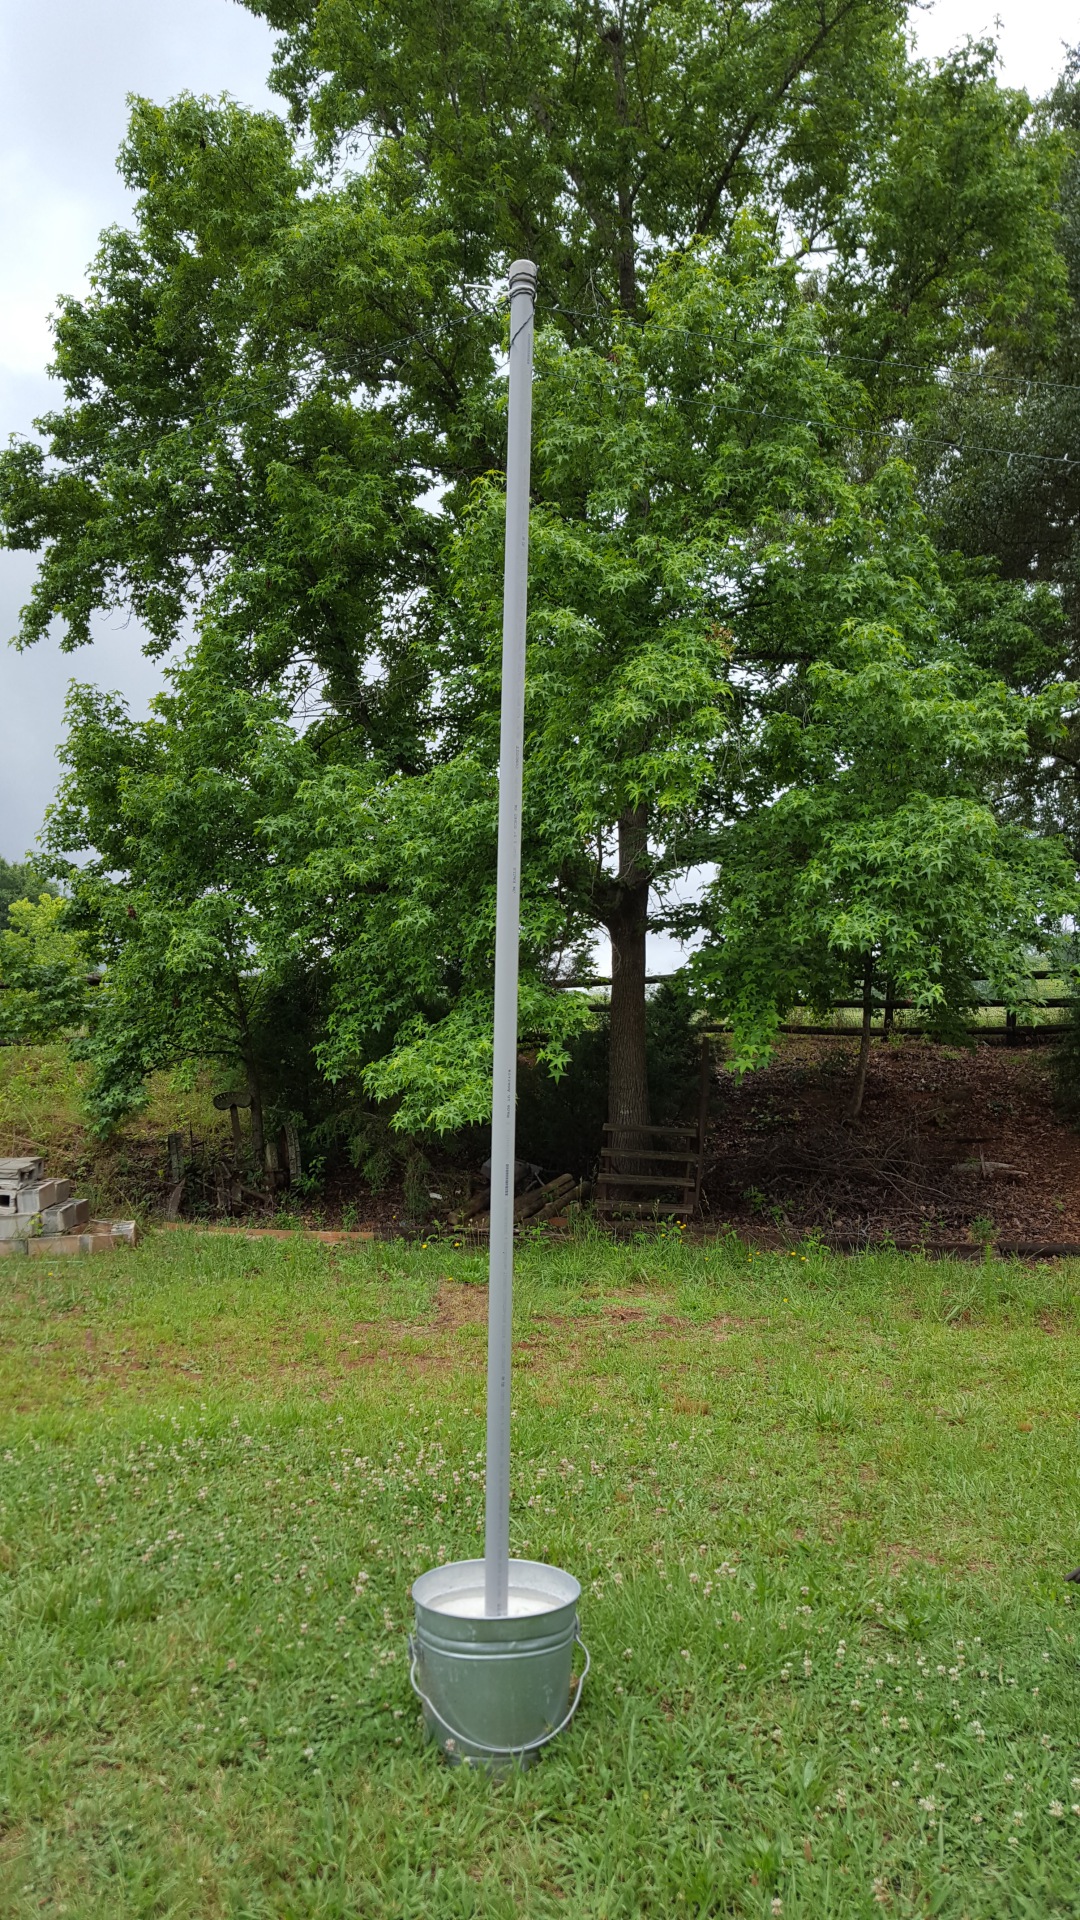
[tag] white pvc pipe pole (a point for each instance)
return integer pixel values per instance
(507, 924)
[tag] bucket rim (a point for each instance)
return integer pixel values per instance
(452, 1575)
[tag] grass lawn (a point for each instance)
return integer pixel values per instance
(820, 1509)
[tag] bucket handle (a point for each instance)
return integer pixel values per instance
(499, 1752)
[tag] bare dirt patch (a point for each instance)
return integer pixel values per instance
(459, 1304)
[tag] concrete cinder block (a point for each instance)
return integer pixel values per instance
(68, 1217)
(19, 1226)
(104, 1236)
(25, 1170)
(123, 1233)
(51, 1193)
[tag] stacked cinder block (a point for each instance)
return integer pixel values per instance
(37, 1214)
(30, 1204)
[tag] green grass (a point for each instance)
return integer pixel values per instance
(820, 1510)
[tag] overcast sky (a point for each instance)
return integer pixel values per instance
(66, 67)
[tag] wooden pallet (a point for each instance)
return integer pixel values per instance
(654, 1172)
(646, 1171)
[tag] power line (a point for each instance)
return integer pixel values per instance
(1027, 381)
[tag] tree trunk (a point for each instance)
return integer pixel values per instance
(628, 1084)
(626, 256)
(855, 1103)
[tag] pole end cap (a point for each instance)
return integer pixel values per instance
(522, 277)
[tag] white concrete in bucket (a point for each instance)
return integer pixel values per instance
(495, 1689)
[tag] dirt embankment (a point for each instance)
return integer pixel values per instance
(952, 1143)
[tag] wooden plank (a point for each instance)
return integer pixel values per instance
(675, 1133)
(643, 1209)
(527, 1204)
(642, 1180)
(649, 1153)
(579, 1191)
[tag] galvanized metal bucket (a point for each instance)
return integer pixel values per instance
(495, 1690)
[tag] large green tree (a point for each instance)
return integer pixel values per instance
(876, 863)
(590, 136)
(159, 831)
(702, 429)
(281, 414)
